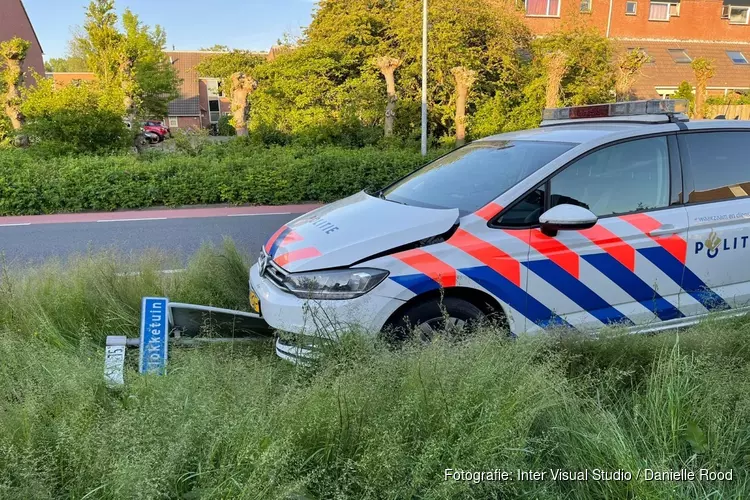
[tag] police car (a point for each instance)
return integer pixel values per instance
(616, 214)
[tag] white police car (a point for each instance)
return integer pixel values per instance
(619, 213)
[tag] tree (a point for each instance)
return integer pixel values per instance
(70, 64)
(388, 66)
(156, 80)
(685, 91)
(132, 60)
(234, 69)
(12, 55)
(704, 70)
(465, 78)
(629, 66)
(217, 48)
(242, 86)
(329, 81)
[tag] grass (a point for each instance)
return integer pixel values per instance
(367, 422)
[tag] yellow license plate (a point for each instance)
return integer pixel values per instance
(254, 301)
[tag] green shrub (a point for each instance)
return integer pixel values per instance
(225, 126)
(62, 132)
(238, 172)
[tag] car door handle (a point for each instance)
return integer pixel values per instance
(666, 229)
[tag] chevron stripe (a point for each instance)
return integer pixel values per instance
(684, 277)
(634, 286)
(515, 297)
(576, 291)
(428, 264)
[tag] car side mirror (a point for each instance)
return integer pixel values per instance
(566, 218)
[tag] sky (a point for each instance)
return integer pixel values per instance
(190, 24)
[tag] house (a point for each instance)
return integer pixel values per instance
(202, 100)
(14, 21)
(672, 32)
(66, 78)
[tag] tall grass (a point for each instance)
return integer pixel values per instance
(368, 421)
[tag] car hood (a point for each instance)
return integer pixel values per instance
(353, 229)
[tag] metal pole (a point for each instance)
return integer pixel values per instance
(424, 79)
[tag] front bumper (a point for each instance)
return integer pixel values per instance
(321, 318)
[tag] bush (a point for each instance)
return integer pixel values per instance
(225, 126)
(62, 132)
(238, 172)
(75, 118)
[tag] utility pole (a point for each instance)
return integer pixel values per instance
(424, 79)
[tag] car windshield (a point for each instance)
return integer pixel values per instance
(471, 177)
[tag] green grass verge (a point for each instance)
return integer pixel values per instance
(368, 422)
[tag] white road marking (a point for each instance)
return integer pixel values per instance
(253, 215)
(132, 220)
(14, 225)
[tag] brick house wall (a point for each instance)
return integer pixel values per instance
(14, 21)
(698, 29)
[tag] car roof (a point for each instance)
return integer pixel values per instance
(590, 131)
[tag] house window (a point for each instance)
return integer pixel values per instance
(585, 6)
(214, 110)
(737, 57)
(662, 11)
(679, 56)
(173, 122)
(213, 87)
(543, 8)
(630, 8)
(737, 15)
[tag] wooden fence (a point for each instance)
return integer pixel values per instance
(730, 111)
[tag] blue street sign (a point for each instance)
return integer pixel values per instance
(154, 332)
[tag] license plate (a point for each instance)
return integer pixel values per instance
(254, 301)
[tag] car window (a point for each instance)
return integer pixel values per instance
(718, 164)
(625, 178)
(525, 212)
(471, 177)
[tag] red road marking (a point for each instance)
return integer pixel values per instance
(430, 265)
(178, 213)
(672, 244)
(488, 254)
(295, 255)
(612, 244)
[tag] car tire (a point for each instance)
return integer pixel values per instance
(453, 315)
(161, 137)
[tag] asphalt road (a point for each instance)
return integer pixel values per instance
(23, 245)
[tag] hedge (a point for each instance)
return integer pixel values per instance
(232, 173)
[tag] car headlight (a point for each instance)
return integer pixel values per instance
(334, 285)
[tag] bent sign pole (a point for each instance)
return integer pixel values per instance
(154, 332)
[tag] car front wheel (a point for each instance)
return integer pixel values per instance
(452, 316)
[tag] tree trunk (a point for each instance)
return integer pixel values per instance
(242, 86)
(127, 84)
(388, 66)
(704, 70)
(465, 78)
(700, 98)
(13, 92)
(557, 65)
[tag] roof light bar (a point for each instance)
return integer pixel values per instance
(626, 108)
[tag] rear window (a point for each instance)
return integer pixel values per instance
(471, 177)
